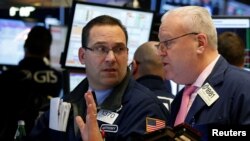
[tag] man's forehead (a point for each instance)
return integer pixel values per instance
(106, 30)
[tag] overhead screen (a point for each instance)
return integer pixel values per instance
(13, 34)
(75, 78)
(215, 7)
(138, 24)
(237, 8)
(59, 33)
(239, 25)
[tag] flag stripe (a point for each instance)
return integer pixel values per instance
(154, 124)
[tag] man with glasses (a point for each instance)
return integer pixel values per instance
(188, 46)
(121, 105)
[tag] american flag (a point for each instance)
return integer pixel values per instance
(153, 124)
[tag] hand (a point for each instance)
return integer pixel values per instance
(90, 130)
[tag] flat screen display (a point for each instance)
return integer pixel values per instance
(237, 8)
(75, 78)
(12, 37)
(137, 22)
(59, 34)
(238, 24)
(13, 34)
(214, 7)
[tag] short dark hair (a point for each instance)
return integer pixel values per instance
(100, 20)
(232, 48)
(38, 41)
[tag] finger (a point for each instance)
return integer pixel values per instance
(91, 111)
(90, 100)
(92, 124)
(91, 118)
(81, 125)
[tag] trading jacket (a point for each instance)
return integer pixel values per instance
(132, 101)
(158, 86)
(231, 108)
(26, 88)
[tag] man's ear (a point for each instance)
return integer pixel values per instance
(134, 67)
(81, 55)
(202, 42)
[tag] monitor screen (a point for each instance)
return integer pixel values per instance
(237, 8)
(59, 34)
(215, 7)
(13, 34)
(137, 22)
(75, 78)
(239, 25)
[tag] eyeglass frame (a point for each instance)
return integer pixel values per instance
(107, 50)
(166, 42)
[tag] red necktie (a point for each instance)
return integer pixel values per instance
(184, 104)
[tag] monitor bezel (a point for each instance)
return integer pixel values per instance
(233, 18)
(72, 13)
(28, 23)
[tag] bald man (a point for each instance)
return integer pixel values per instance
(147, 69)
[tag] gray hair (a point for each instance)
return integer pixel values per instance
(196, 19)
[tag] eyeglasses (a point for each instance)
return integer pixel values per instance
(101, 50)
(164, 45)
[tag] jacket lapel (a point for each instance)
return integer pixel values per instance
(214, 79)
(197, 105)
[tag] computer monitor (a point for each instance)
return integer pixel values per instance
(75, 78)
(238, 24)
(13, 34)
(237, 8)
(12, 37)
(137, 22)
(59, 33)
(215, 7)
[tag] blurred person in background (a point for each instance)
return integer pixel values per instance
(147, 69)
(232, 48)
(29, 86)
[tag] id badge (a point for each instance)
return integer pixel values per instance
(208, 94)
(107, 116)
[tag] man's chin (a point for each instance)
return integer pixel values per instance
(111, 81)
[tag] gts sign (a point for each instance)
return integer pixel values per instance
(45, 76)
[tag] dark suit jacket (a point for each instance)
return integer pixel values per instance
(26, 88)
(231, 108)
(132, 101)
(159, 87)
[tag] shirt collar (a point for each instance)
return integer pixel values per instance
(205, 73)
(101, 95)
